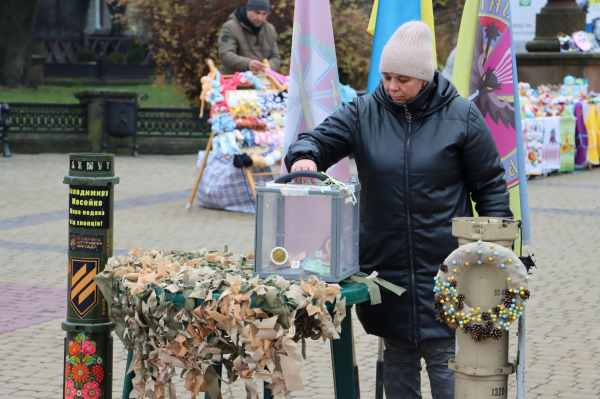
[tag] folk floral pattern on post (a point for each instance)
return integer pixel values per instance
(84, 370)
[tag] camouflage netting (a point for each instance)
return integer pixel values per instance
(253, 329)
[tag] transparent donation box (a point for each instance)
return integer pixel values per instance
(304, 230)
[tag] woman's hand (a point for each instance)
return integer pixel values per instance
(304, 164)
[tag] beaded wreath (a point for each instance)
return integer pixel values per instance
(451, 304)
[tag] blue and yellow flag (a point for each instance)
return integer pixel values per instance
(382, 26)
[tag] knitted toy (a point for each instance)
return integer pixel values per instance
(248, 138)
(239, 137)
(225, 144)
(278, 135)
(216, 145)
(222, 124)
(256, 81)
(215, 95)
(207, 88)
(258, 161)
(250, 123)
(232, 145)
(272, 158)
(260, 139)
(279, 119)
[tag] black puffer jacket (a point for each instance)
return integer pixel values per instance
(417, 166)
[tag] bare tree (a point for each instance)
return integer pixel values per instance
(17, 23)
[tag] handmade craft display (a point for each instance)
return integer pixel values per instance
(453, 308)
(247, 115)
(246, 118)
(555, 123)
(533, 138)
(567, 144)
(256, 328)
(256, 119)
(553, 100)
(248, 122)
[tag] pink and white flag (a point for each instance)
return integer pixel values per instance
(314, 91)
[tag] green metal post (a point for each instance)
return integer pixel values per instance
(128, 382)
(343, 359)
(268, 394)
(219, 370)
(88, 347)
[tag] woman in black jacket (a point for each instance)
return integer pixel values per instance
(422, 154)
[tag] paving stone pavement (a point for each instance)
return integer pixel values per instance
(562, 353)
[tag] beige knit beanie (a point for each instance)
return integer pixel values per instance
(409, 52)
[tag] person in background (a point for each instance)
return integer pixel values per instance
(247, 38)
(422, 153)
(449, 67)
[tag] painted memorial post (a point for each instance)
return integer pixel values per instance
(88, 345)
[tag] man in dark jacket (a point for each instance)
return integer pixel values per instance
(422, 154)
(247, 38)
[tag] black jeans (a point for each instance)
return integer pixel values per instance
(402, 368)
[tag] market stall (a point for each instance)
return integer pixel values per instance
(247, 117)
(560, 126)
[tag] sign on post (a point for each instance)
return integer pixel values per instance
(88, 345)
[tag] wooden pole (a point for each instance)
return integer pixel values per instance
(266, 174)
(275, 82)
(250, 178)
(200, 171)
(211, 74)
(202, 104)
(272, 78)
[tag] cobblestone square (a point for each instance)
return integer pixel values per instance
(563, 329)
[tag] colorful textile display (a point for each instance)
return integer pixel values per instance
(533, 137)
(254, 328)
(579, 124)
(581, 139)
(567, 144)
(255, 118)
(592, 125)
(551, 146)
